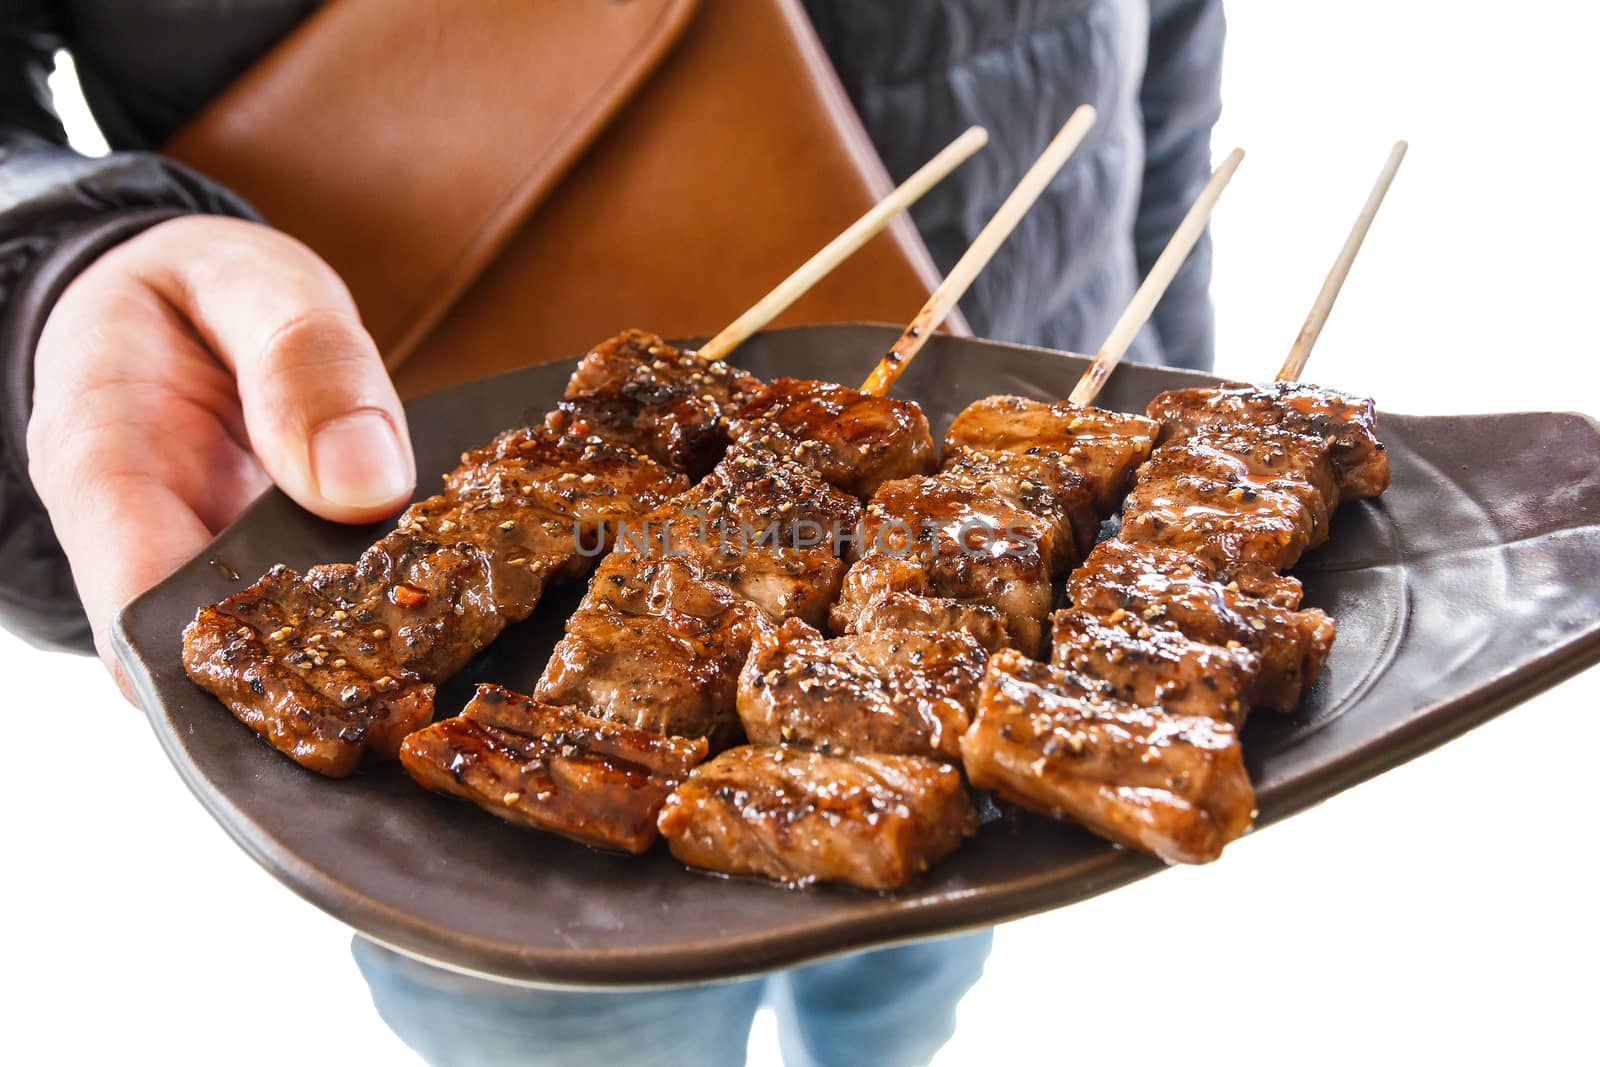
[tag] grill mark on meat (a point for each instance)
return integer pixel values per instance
(901, 692)
(855, 440)
(798, 817)
(1047, 740)
(551, 768)
(1346, 424)
(1102, 446)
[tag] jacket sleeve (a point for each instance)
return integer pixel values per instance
(1181, 98)
(59, 210)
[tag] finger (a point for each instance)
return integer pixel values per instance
(108, 574)
(126, 507)
(318, 405)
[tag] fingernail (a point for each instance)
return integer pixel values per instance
(358, 461)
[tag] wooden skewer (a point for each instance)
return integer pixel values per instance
(841, 247)
(983, 248)
(1154, 286)
(1301, 350)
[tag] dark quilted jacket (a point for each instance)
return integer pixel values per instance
(918, 71)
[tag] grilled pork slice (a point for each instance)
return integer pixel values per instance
(973, 545)
(1165, 670)
(552, 768)
(656, 644)
(1103, 446)
(668, 403)
(1144, 588)
(855, 440)
(883, 592)
(592, 483)
(890, 691)
(1346, 424)
(1209, 504)
(801, 817)
(324, 701)
(1271, 453)
(1046, 739)
(461, 566)
(764, 525)
(1046, 489)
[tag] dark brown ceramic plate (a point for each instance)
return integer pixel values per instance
(1469, 587)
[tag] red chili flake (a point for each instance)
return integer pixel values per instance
(406, 596)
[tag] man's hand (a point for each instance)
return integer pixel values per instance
(179, 375)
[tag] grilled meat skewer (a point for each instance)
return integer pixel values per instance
(1202, 558)
(1243, 483)
(1184, 609)
(974, 544)
(340, 662)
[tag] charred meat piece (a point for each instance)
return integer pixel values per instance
(1270, 454)
(1103, 446)
(668, 403)
(591, 483)
(855, 440)
(658, 645)
(1207, 503)
(882, 592)
(973, 545)
(441, 601)
(802, 817)
(1165, 670)
(1346, 424)
(270, 654)
(902, 692)
(515, 518)
(1040, 485)
(1170, 785)
(553, 768)
(1143, 588)
(766, 526)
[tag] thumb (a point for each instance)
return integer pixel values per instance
(318, 405)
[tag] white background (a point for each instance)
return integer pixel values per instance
(1444, 911)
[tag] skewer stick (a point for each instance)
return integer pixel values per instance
(983, 248)
(1154, 286)
(1301, 350)
(841, 247)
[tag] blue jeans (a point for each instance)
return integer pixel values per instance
(887, 1008)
